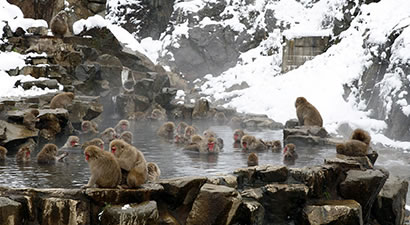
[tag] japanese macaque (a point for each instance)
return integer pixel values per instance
(209, 145)
(166, 130)
(289, 154)
(127, 136)
(123, 125)
(307, 114)
(72, 142)
(194, 143)
(251, 143)
(95, 141)
(179, 139)
(105, 169)
(237, 136)
(153, 171)
(3, 152)
(62, 100)
(49, 154)
(276, 146)
(157, 115)
(88, 127)
(358, 145)
(235, 122)
(220, 118)
(132, 161)
(59, 24)
(108, 135)
(209, 133)
(181, 127)
(253, 159)
(361, 135)
(23, 154)
(30, 119)
(189, 131)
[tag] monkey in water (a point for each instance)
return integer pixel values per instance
(189, 131)
(220, 118)
(166, 130)
(105, 169)
(48, 154)
(251, 143)
(276, 146)
(108, 135)
(237, 136)
(122, 125)
(30, 119)
(88, 127)
(23, 154)
(153, 171)
(358, 145)
(59, 24)
(307, 114)
(72, 142)
(194, 144)
(3, 153)
(62, 100)
(132, 161)
(289, 154)
(127, 136)
(181, 127)
(95, 141)
(209, 145)
(157, 115)
(253, 159)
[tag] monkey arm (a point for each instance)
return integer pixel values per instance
(127, 160)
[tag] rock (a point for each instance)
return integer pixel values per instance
(142, 213)
(389, 207)
(10, 212)
(215, 204)
(181, 190)
(255, 122)
(290, 197)
(227, 180)
(14, 134)
(261, 175)
(308, 136)
(100, 196)
(165, 96)
(350, 162)
(249, 212)
(333, 212)
(64, 211)
(42, 31)
(292, 123)
(84, 108)
(363, 187)
(50, 84)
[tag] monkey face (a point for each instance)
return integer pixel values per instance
(117, 147)
(211, 145)
(90, 152)
(85, 126)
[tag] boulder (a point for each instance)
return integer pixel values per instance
(227, 180)
(261, 175)
(389, 205)
(63, 211)
(256, 122)
(350, 162)
(215, 204)
(333, 212)
(142, 213)
(10, 212)
(363, 187)
(249, 212)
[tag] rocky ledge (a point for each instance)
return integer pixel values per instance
(337, 192)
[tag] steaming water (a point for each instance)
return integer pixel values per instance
(174, 162)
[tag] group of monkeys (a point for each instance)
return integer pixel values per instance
(125, 166)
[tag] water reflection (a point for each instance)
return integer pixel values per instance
(175, 162)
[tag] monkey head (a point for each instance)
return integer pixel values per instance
(85, 126)
(35, 112)
(117, 146)
(209, 133)
(25, 152)
(196, 139)
(238, 134)
(92, 152)
(212, 142)
(50, 149)
(169, 127)
(70, 94)
(361, 135)
(74, 141)
(300, 101)
(126, 136)
(3, 152)
(181, 127)
(124, 125)
(189, 130)
(246, 141)
(156, 114)
(289, 148)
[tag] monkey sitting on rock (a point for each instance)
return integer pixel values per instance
(307, 114)
(358, 145)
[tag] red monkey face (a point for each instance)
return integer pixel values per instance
(87, 157)
(113, 149)
(285, 149)
(74, 143)
(211, 146)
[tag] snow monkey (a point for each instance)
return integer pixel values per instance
(253, 159)
(189, 131)
(30, 119)
(132, 161)
(59, 24)
(166, 130)
(62, 100)
(307, 114)
(209, 145)
(3, 152)
(48, 154)
(88, 127)
(181, 127)
(196, 141)
(108, 135)
(105, 169)
(153, 171)
(157, 115)
(127, 136)
(72, 142)
(276, 146)
(220, 118)
(95, 141)
(122, 125)
(249, 142)
(23, 154)
(358, 145)
(289, 153)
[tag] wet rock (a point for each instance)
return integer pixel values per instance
(249, 212)
(215, 204)
(261, 175)
(43, 84)
(14, 134)
(165, 96)
(292, 123)
(181, 112)
(100, 196)
(290, 197)
(350, 162)
(389, 205)
(181, 190)
(319, 179)
(255, 122)
(363, 186)
(10, 212)
(308, 136)
(227, 180)
(63, 211)
(52, 122)
(333, 212)
(142, 213)
(84, 108)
